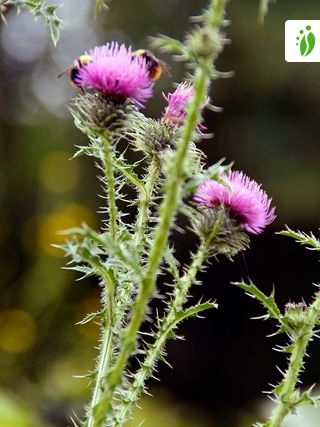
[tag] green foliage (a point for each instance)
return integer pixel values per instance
(38, 9)
(309, 240)
(299, 322)
(129, 257)
(268, 302)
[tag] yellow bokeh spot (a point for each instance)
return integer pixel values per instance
(39, 233)
(17, 331)
(57, 173)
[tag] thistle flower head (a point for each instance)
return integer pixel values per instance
(117, 74)
(175, 112)
(248, 204)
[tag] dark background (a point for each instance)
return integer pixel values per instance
(269, 127)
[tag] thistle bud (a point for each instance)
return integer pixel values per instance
(296, 315)
(228, 238)
(100, 113)
(204, 43)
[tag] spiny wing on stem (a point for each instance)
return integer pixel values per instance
(267, 301)
(309, 240)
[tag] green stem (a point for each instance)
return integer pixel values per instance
(110, 181)
(167, 211)
(106, 349)
(287, 400)
(169, 322)
(215, 13)
(144, 203)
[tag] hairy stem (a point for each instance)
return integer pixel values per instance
(110, 182)
(172, 197)
(286, 399)
(105, 350)
(144, 203)
(167, 211)
(169, 322)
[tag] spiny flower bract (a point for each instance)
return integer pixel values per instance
(248, 204)
(116, 73)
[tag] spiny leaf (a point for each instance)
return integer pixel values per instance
(117, 249)
(91, 316)
(213, 172)
(306, 398)
(87, 271)
(194, 311)
(277, 390)
(309, 240)
(87, 150)
(172, 263)
(167, 44)
(37, 8)
(267, 301)
(128, 172)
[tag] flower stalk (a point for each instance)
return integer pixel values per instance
(116, 81)
(167, 212)
(169, 322)
(144, 202)
(105, 353)
(110, 182)
(288, 397)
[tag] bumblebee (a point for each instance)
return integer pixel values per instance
(155, 67)
(73, 70)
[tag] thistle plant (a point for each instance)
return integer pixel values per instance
(170, 179)
(38, 8)
(300, 322)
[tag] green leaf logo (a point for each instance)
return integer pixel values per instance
(307, 41)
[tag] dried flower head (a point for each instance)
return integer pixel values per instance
(116, 73)
(247, 203)
(175, 112)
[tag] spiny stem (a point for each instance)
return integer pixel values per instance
(168, 323)
(105, 351)
(145, 198)
(286, 400)
(167, 211)
(215, 13)
(110, 181)
(109, 285)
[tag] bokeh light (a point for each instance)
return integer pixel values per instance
(17, 331)
(57, 173)
(24, 39)
(40, 233)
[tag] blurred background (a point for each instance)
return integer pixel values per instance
(269, 127)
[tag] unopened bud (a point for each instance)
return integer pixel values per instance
(296, 315)
(204, 43)
(227, 239)
(100, 113)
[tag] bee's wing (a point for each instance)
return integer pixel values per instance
(65, 71)
(165, 68)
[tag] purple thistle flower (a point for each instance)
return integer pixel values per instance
(175, 112)
(115, 72)
(249, 205)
